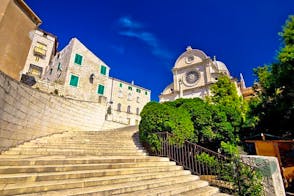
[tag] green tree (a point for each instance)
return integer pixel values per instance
(274, 105)
(230, 109)
(156, 117)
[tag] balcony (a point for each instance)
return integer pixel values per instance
(39, 51)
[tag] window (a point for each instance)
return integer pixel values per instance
(35, 70)
(137, 111)
(51, 70)
(74, 80)
(129, 96)
(120, 93)
(78, 59)
(120, 85)
(59, 67)
(138, 99)
(119, 107)
(129, 109)
(130, 88)
(138, 90)
(146, 93)
(100, 89)
(103, 70)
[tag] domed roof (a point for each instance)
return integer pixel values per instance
(221, 67)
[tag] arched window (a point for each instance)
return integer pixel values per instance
(119, 107)
(129, 109)
(137, 111)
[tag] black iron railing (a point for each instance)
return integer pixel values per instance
(219, 170)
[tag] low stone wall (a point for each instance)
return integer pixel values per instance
(27, 113)
(271, 173)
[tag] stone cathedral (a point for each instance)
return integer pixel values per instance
(193, 73)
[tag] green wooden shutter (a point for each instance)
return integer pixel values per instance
(130, 88)
(74, 80)
(78, 59)
(100, 89)
(120, 85)
(103, 70)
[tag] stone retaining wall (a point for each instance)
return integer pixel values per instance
(27, 113)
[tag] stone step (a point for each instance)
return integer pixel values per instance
(35, 177)
(20, 188)
(86, 147)
(68, 167)
(74, 149)
(72, 152)
(80, 145)
(63, 143)
(120, 188)
(173, 189)
(17, 161)
(205, 191)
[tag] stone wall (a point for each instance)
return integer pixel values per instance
(15, 25)
(27, 113)
(271, 174)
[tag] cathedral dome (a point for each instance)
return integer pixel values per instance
(222, 67)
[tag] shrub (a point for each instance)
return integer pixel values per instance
(156, 117)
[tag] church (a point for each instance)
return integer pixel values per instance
(193, 74)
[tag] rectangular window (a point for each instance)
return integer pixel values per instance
(59, 67)
(120, 85)
(146, 93)
(130, 88)
(78, 59)
(138, 90)
(100, 89)
(103, 70)
(74, 80)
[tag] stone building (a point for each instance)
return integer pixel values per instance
(79, 72)
(126, 101)
(75, 72)
(193, 74)
(17, 20)
(43, 48)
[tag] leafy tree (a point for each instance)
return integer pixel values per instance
(274, 105)
(156, 117)
(230, 110)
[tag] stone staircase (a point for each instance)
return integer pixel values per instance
(93, 163)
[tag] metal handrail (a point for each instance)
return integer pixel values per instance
(222, 171)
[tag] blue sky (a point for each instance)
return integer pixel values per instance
(141, 39)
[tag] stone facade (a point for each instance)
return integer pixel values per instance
(75, 72)
(17, 20)
(193, 74)
(80, 71)
(43, 48)
(27, 113)
(126, 101)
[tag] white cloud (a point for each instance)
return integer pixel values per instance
(127, 22)
(134, 29)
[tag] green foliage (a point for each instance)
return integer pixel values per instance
(274, 107)
(229, 149)
(156, 117)
(206, 159)
(244, 179)
(250, 181)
